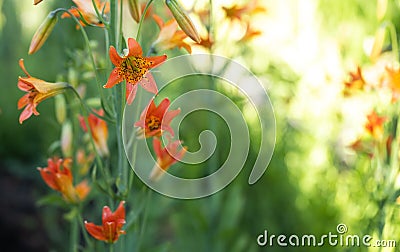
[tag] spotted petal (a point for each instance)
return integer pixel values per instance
(148, 83)
(114, 78)
(134, 48)
(131, 91)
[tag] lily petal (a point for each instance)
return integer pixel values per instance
(114, 78)
(26, 113)
(114, 56)
(131, 91)
(95, 230)
(156, 60)
(148, 83)
(134, 48)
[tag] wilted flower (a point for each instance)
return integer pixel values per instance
(112, 223)
(134, 68)
(58, 176)
(154, 118)
(99, 130)
(88, 12)
(43, 32)
(169, 36)
(37, 91)
(183, 19)
(166, 157)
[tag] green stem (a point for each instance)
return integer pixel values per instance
(90, 52)
(145, 217)
(113, 22)
(99, 15)
(141, 21)
(122, 164)
(99, 162)
(120, 34)
(393, 38)
(85, 234)
(73, 242)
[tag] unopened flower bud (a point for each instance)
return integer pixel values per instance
(182, 18)
(43, 32)
(60, 108)
(378, 43)
(66, 139)
(134, 9)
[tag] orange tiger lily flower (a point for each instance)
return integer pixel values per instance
(236, 12)
(57, 175)
(374, 126)
(86, 9)
(392, 80)
(154, 119)
(112, 223)
(166, 157)
(134, 68)
(169, 36)
(99, 130)
(356, 82)
(250, 33)
(37, 91)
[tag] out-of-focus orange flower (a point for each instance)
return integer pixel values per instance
(363, 146)
(169, 36)
(112, 223)
(154, 118)
(149, 11)
(392, 80)
(36, 1)
(250, 33)
(58, 176)
(166, 157)
(99, 130)
(356, 82)
(237, 12)
(37, 91)
(86, 9)
(134, 68)
(206, 42)
(84, 160)
(374, 126)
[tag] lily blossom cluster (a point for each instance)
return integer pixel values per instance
(154, 120)
(131, 68)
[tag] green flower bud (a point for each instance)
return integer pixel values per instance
(43, 32)
(182, 18)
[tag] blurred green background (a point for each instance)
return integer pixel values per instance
(310, 185)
